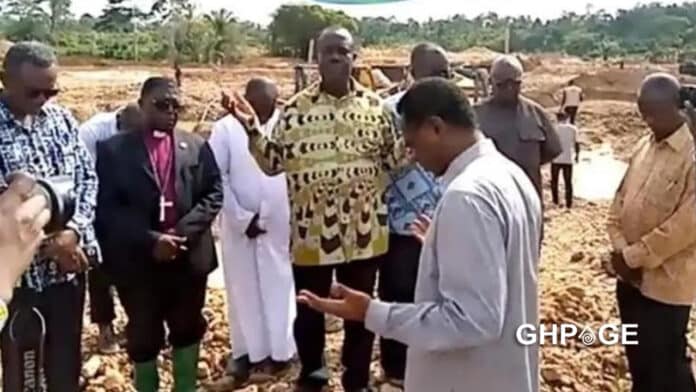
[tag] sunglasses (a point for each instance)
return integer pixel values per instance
(49, 93)
(167, 105)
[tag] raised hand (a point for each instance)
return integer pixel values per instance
(240, 108)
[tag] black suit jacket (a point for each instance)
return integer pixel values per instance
(128, 206)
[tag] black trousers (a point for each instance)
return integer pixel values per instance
(397, 283)
(62, 306)
(170, 299)
(567, 170)
(659, 362)
(309, 324)
(101, 301)
(572, 112)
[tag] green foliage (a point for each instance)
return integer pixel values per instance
(173, 29)
(294, 26)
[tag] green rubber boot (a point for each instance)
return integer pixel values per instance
(146, 377)
(185, 368)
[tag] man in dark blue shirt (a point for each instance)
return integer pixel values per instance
(41, 138)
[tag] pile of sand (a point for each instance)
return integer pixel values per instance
(613, 83)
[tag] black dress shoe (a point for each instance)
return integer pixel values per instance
(239, 369)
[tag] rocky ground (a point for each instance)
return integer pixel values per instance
(573, 285)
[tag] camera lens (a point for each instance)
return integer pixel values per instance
(59, 192)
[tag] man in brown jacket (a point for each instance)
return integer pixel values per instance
(651, 226)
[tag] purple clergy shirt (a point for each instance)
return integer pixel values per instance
(161, 154)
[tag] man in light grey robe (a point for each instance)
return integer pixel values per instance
(477, 281)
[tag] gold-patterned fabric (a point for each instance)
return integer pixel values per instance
(335, 153)
(653, 217)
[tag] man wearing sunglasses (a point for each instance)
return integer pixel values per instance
(413, 191)
(160, 192)
(520, 128)
(40, 138)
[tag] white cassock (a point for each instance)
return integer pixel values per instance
(258, 272)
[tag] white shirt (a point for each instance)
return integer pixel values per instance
(477, 283)
(568, 135)
(573, 95)
(98, 128)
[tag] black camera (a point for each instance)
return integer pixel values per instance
(687, 93)
(59, 192)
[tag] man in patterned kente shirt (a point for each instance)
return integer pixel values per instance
(336, 143)
(41, 138)
(412, 192)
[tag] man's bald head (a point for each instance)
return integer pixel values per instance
(658, 102)
(129, 118)
(262, 94)
(660, 87)
(335, 32)
(506, 79)
(428, 59)
(506, 68)
(262, 86)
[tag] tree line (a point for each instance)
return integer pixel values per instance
(174, 30)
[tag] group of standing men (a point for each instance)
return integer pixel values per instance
(330, 186)
(145, 211)
(338, 145)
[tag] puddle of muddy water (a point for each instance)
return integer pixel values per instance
(598, 174)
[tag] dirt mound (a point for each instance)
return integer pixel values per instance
(613, 83)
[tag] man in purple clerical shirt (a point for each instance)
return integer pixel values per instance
(160, 191)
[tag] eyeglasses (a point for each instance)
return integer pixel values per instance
(49, 93)
(167, 105)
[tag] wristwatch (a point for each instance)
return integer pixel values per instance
(4, 313)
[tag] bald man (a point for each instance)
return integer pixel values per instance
(256, 245)
(412, 192)
(519, 127)
(651, 226)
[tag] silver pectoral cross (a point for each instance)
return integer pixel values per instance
(163, 205)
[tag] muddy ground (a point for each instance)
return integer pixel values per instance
(573, 285)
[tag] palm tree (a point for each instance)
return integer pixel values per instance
(223, 33)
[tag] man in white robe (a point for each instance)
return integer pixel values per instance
(255, 238)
